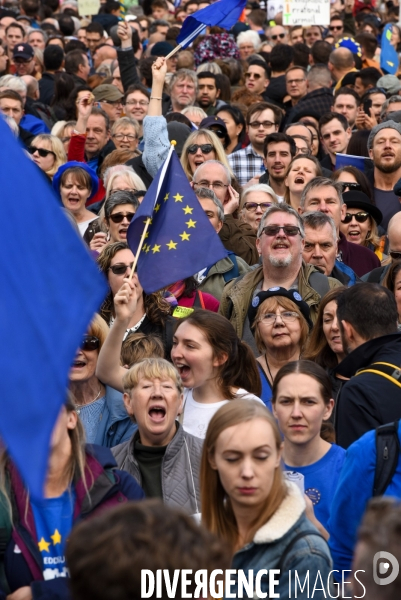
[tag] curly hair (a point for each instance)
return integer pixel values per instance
(157, 309)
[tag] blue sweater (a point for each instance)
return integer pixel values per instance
(354, 490)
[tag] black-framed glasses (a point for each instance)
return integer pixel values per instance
(90, 342)
(350, 186)
(264, 124)
(204, 148)
(120, 268)
(253, 206)
(219, 132)
(336, 27)
(41, 151)
(395, 255)
(360, 217)
(289, 230)
(216, 185)
(119, 217)
(254, 75)
(120, 136)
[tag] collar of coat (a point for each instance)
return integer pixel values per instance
(285, 517)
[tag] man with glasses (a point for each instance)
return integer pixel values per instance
(278, 35)
(23, 55)
(110, 99)
(336, 27)
(262, 118)
(295, 83)
(280, 242)
(319, 98)
(256, 77)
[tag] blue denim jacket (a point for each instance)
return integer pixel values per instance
(310, 554)
(116, 425)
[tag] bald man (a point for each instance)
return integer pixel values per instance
(394, 250)
(341, 62)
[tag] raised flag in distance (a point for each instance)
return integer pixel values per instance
(50, 289)
(180, 240)
(224, 13)
(389, 62)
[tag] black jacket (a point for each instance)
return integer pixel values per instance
(367, 400)
(46, 88)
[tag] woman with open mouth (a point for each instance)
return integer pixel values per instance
(301, 170)
(47, 153)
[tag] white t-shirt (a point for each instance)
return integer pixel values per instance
(198, 414)
(84, 225)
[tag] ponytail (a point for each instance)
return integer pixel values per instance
(241, 371)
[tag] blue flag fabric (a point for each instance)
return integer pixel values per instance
(346, 160)
(388, 56)
(224, 13)
(50, 290)
(180, 240)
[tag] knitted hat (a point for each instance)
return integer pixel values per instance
(292, 295)
(390, 83)
(377, 128)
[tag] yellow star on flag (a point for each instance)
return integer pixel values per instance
(157, 208)
(147, 248)
(190, 223)
(187, 210)
(155, 248)
(150, 221)
(178, 198)
(43, 545)
(185, 236)
(166, 197)
(144, 248)
(56, 537)
(172, 245)
(146, 234)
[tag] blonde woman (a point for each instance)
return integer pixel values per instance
(48, 153)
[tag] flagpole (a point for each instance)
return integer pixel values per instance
(187, 40)
(148, 220)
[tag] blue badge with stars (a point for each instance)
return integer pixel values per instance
(314, 495)
(255, 302)
(297, 296)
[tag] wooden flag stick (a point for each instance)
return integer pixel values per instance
(139, 247)
(174, 51)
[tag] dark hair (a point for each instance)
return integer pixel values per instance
(369, 76)
(301, 54)
(258, 17)
(30, 7)
(275, 138)
(137, 87)
(359, 175)
(358, 144)
(370, 308)
(368, 43)
(119, 197)
(305, 367)
(67, 25)
(346, 91)
(178, 118)
(95, 27)
(262, 64)
(70, 104)
(206, 75)
(73, 60)
(63, 83)
(53, 57)
(145, 69)
(240, 369)
(321, 51)
(330, 116)
(75, 45)
(15, 25)
(11, 95)
(389, 280)
(259, 107)
(224, 86)
(237, 116)
(99, 112)
(281, 57)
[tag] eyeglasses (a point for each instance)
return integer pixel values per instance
(278, 35)
(360, 217)
(297, 81)
(336, 27)
(22, 61)
(205, 148)
(257, 124)
(112, 102)
(120, 268)
(395, 255)
(216, 185)
(289, 230)
(119, 218)
(286, 316)
(252, 206)
(90, 342)
(303, 151)
(350, 186)
(41, 151)
(120, 136)
(254, 75)
(137, 103)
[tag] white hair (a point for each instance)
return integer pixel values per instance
(249, 36)
(10, 82)
(259, 187)
(125, 171)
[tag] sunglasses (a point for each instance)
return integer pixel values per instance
(395, 255)
(41, 151)
(120, 268)
(252, 206)
(90, 342)
(289, 230)
(205, 148)
(219, 132)
(119, 217)
(336, 28)
(360, 217)
(350, 186)
(279, 35)
(254, 75)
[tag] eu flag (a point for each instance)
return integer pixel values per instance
(180, 240)
(346, 160)
(388, 56)
(50, 289)
(224, 13)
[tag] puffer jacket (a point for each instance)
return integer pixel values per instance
(274, 543)
(180, 469)
(237, 295)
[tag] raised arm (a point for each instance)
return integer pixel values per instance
(126, 57)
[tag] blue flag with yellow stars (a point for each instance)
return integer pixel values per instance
(180, 240)
(388, 56)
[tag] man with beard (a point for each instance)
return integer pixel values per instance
(280, 242)
(279, 149)
(384, 145)
(208, 94)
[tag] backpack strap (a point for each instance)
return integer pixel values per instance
(199, 301)
(387, 370)
(319, 282)
(292, 543)
(233, 273)
(387, 456)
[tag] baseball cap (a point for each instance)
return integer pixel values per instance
(24, 51)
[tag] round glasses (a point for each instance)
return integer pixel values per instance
(287, 317)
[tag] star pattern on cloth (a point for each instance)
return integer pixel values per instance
(56, 537)
(43, 545)
(187, 210)
(178, 198)
(172, 245)
(185, 236)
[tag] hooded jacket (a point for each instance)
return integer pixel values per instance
(369, 399)
(180, 469)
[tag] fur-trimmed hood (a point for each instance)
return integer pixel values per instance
(285, 517)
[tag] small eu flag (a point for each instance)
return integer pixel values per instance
(388, 56)
(224, 13)
(180, 241)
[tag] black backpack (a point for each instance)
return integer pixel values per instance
(388, 452)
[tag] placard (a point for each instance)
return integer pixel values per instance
(273, 8)
(306, 12)
(88, 7)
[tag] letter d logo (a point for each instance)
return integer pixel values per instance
(383, 567)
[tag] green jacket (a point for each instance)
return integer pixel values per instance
(237, 295)
(214, 282)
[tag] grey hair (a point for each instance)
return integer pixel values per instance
(10, 82)
(42, 33)
(284, 208)
(249, 36)
(259, 187)
(392, 100)
(211, 67)
(119, 197)
(216, 162)
(125, 122)
(316, 220)
(318, 182)
(183, 74)
(210, 195)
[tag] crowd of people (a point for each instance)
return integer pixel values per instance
(247, 416)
